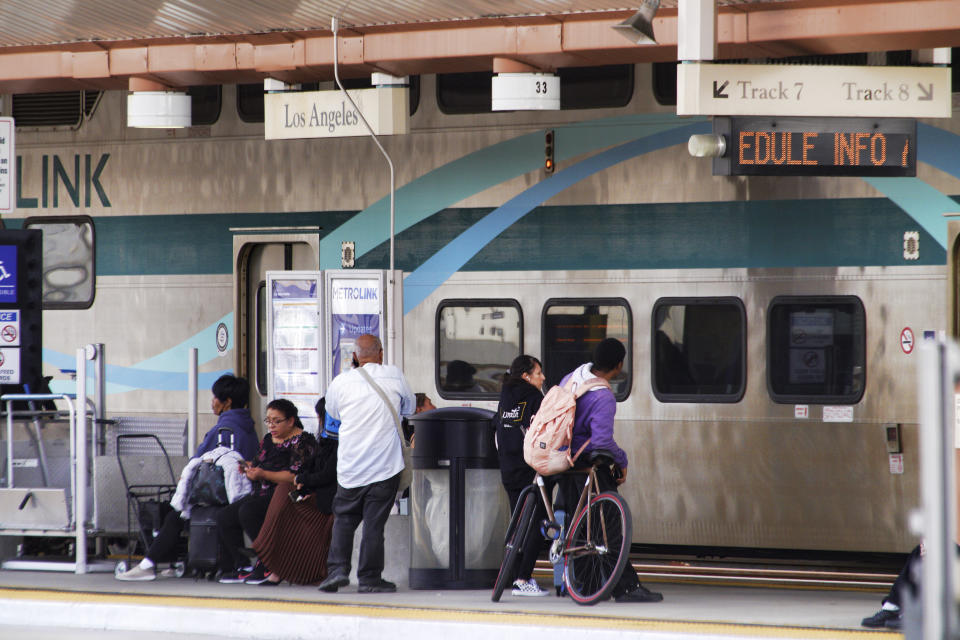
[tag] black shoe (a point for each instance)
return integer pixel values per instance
(377, 587)
(881, 619)
(640, 594)
(333, 582)
(894, 623)
(230, 577)
(259, 575)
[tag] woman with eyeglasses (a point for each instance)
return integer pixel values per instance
(284, 451)
(295, 536)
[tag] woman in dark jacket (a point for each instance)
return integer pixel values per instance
(520, 399)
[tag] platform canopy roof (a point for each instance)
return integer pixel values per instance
(52, 45)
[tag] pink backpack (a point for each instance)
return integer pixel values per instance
(546, 445)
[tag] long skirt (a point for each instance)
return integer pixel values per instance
(295, 538)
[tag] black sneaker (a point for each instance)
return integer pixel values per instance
(333, 582)
(230, 577)
(259, 575)
(880, 618)
(640, 594)
(382, 586)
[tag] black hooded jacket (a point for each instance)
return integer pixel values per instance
(519, 400)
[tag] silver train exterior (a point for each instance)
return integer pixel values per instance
(187, 222)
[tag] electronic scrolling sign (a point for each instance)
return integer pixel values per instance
(768, 146)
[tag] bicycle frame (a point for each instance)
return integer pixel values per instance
(590, 489)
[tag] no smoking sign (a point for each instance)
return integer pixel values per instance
(907, 340)
(9, 328)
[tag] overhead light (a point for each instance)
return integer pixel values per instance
(707, 145)
(638, 28)
(158, 109)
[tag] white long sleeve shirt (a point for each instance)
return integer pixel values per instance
(369, 449)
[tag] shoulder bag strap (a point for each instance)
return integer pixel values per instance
(386, 401)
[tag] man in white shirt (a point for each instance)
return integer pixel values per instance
(369, 462)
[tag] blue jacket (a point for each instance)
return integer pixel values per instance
(239, 422)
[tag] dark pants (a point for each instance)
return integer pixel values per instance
(371, 505)
(903, 580)
(246, 515)
(534, 542)
(569, 494)
(163, 547)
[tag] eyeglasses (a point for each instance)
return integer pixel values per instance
(271, 422)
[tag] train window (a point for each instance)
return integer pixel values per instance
(476, 342)
(69, 260)
(205, 101)
(250, 102)
(665, 83)
(607, 86)
(699, 350)
(250, 96)
(261, 372)
(464, 92)
(816, 349)
(572, 328)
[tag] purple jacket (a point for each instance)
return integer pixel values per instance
(594, 420)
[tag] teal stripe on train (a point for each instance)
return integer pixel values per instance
(485, 168)
(813, 232)
(164, 371)
(777, 233)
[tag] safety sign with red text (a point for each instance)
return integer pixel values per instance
(10, 328)
(9, 366)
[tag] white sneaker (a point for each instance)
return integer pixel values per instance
(136, 573)
(528, 588)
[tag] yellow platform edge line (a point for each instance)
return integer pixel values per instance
(436, 614)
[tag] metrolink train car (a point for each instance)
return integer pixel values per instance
(769, 397)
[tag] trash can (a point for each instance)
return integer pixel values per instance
(458, 507)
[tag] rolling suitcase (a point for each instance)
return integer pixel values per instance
(203, 547)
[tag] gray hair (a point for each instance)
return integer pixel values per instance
(369, 348)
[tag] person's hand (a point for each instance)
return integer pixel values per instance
(254, 473)
(621, 476)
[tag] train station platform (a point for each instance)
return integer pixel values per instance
(35, 601)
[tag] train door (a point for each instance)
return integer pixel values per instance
(254, 255)
(953, 278)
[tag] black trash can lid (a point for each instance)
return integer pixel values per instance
(450, 414)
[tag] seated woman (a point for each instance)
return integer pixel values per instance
(283, 454)
(295, 535)
(229, 404)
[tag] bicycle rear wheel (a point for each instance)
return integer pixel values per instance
(517, 533)
(595, 554)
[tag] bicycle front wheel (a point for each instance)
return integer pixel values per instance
(597, 549)
(516, 535)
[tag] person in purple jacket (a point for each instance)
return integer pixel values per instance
(229, 404)
(594, 422)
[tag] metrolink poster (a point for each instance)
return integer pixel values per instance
(355, 306)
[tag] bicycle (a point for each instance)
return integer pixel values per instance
(594, 548)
